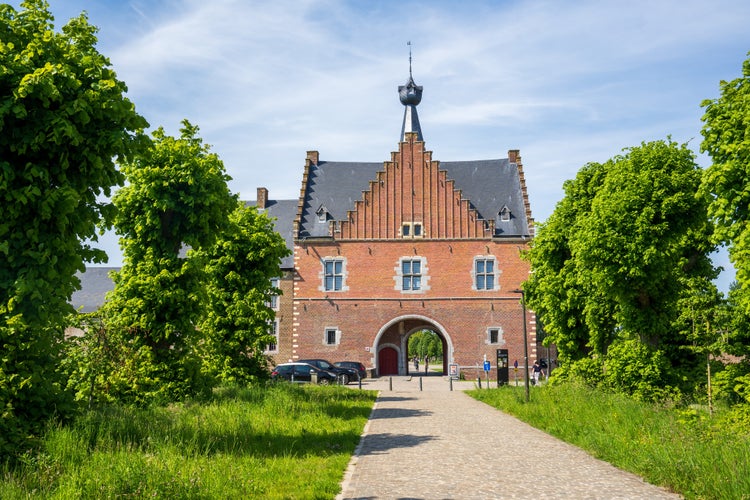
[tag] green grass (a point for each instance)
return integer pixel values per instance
(682, 450)
(280, 441)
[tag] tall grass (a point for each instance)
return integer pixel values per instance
(281, 441)
(682, 450)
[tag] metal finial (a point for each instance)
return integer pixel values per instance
(409, 44)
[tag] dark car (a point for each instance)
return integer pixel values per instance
(354, 365)
(346, 375)
(302, 373)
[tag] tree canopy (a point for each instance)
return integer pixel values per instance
(176, 204)
(239, 272)
(425, 343)
(726, 139)
(627, 243)
(64, 121)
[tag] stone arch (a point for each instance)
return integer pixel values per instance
(396, 332)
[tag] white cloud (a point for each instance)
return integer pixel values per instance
(565, 82)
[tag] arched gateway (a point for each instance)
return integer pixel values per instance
(392, 341)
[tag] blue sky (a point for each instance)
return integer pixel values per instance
(566, 82)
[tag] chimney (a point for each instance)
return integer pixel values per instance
(262, 199)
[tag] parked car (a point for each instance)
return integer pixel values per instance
(346, 375)
(302, 373)
(354, 365)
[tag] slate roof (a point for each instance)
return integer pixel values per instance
(95, 283)
(283, 211)
(489, 185)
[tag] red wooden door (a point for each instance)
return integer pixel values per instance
(388, 361)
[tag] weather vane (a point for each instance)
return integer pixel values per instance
(409, 44)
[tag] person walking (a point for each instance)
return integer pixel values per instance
(416, 363)
(536, 370)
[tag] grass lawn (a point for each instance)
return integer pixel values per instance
(683, 450)
(279, 441)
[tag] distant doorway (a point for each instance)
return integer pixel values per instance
(388, 361)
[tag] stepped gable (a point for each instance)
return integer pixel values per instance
(358, 200)
(477, 199)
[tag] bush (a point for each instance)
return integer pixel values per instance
(586, 371)
(730, 384)
(634, 369)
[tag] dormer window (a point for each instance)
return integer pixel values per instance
(322, 214)
(504, 214)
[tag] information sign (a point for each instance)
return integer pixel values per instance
(502, 366)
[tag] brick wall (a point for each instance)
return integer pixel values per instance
(371, 311)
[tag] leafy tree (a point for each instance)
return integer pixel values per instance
(735, 325)
(647, 235)
(177, 198)
(619, 254)
(731, 336)
(239, 270)
(425, 343)
(560, 291)
(64, 119)
(727, 141)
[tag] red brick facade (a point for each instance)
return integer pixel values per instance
(412, 212)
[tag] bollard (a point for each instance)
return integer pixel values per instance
(359, 379)
(479, 381)
(420, 384)
(451, 382)
(313, 376)
(390, 383)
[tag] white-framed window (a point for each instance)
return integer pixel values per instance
(334, 273)
(274, 302)
(273, 346)
(485, 273)
(332, 336)
(411, 275)
(495, 335)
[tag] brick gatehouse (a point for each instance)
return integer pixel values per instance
(384, 250)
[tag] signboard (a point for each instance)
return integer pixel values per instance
(502, 367)
(486, 366)
(453, 371)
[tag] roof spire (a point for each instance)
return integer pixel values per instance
(410, 96)
(409, 44)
